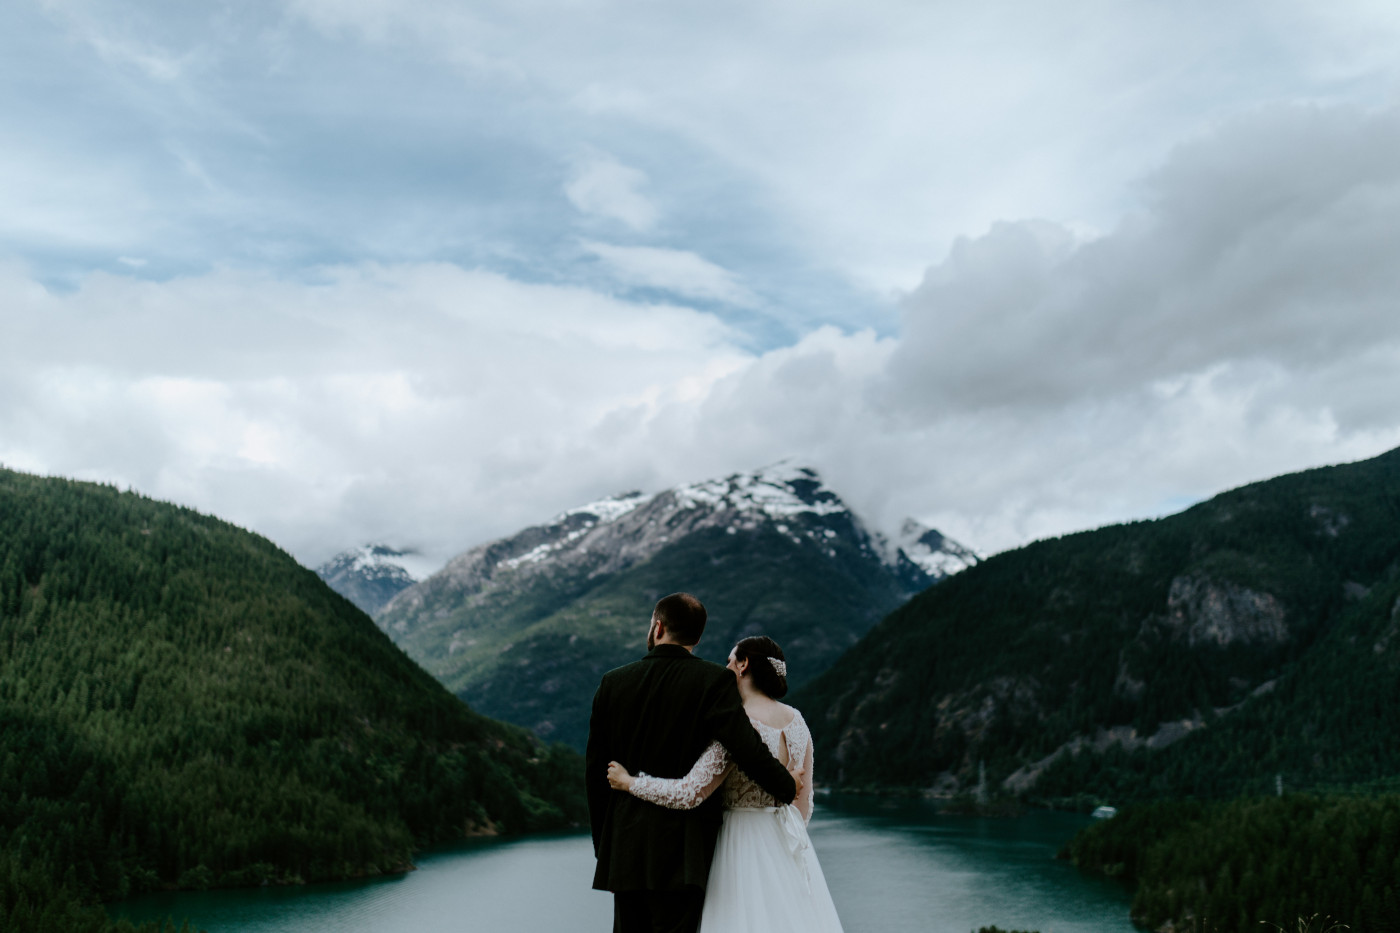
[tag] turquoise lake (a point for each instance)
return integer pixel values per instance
(892, 865)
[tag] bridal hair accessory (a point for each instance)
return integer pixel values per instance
(779, 666)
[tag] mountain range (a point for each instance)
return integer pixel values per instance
(182, 705)
(1248, 641)
(522, 627)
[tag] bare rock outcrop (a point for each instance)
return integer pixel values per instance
(1211, 612)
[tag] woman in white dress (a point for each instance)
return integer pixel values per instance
(765, 877)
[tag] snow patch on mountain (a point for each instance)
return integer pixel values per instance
(374, 560)
(607, 510)
(787, 498)
(777, 491)
(612, 534)
(372, 574)
(542, 551)
(931, 551)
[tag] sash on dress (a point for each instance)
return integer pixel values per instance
(794, 835)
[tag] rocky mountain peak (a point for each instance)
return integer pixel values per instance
(372, 574)
(775, 492)
(930, 550)
(617, 532)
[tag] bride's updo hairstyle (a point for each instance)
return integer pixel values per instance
(761, 651)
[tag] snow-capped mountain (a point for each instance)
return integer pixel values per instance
(617, 532)
(931, 551)
(521, 627)
(371, 575)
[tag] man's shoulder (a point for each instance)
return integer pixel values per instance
(711, 670)
(630, 669)
(692, 666)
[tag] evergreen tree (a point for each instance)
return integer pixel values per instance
(182, 704)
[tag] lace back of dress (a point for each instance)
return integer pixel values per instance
(739, 790)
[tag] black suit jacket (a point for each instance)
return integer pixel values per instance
(658, 715)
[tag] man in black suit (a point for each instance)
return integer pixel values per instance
(658, 715)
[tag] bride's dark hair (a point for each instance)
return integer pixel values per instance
(761, 651)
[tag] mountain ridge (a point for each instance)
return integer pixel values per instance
(588, 578)
(1088, 662)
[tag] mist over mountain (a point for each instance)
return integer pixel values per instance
(522, 628)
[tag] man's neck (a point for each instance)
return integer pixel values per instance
(667, 641)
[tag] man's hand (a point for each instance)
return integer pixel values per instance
(797, 774)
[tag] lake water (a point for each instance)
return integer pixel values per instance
(893, 866)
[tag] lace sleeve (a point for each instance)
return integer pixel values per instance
(799, 741)
(804, 799)
(686, 793)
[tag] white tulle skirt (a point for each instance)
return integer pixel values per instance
(765, 877)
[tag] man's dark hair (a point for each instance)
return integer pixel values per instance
(683, 616)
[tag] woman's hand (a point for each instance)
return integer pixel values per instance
(618, 777)
(799, 777)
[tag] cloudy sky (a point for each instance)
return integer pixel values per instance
(424, 272)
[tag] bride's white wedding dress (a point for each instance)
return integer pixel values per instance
(765, 877)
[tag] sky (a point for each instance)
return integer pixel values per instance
(425, 273)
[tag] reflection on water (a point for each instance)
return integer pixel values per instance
(535, 884)
(893, 866)
(897, 865)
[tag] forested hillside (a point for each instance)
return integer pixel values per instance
(1205, 652)
(182, 704)
(1230, 866)
(1328, 722)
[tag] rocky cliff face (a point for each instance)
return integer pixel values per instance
(1220, 613)
(522, 627)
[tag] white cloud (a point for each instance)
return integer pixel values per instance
(674, 270)
(880, 132)
(602, 186)
(777, 139)
(1244, 324)
(1234, 316)
(427, 403)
